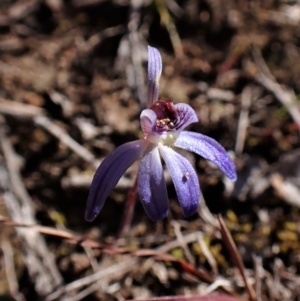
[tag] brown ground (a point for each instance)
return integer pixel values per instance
(75, 71)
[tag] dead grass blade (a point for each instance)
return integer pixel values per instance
(228, 240)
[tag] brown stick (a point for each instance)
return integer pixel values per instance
(129, 208)
(231, 246)
(39, 259)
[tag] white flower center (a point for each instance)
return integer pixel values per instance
(165, 138)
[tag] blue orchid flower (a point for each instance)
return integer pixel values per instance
(162, 123)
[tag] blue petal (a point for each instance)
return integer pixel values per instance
(154, 72)
(186, 116)
(184, 178)
(109, 173)
(209, 149)
(152, 186)
(148, 119)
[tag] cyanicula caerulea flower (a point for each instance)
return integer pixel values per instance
(162, 123)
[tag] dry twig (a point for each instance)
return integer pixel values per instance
(124, 266)
(10, 269)
(129, 209)
(38, 258)
(168, 22)
(136, 51)
(206, 252)
(243, 120)
(66, 139)
(286, 97)
(228, 240)
(183, 244)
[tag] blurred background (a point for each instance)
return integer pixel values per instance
(72, 86)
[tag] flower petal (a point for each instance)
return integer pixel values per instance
(184, 178)
(154, 72)
(186, 116)
(109, 173)
(152, 186)
(209, 149)
(148, 119)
